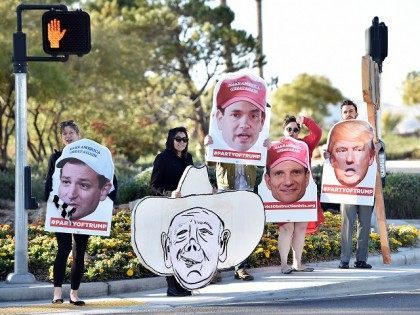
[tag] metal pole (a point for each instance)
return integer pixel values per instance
(20, 59)
(21, 274)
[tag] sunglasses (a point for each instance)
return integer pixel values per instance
(290, 129)
(178, 139)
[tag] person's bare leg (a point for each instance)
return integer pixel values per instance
(284, 242)
(298, 242)
(58, 293)
(74, 295)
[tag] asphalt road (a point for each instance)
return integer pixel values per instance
(407, 302)
(403, 166)
(401, 295)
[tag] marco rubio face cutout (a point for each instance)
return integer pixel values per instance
(239, 121)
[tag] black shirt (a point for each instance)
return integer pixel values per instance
(167, 171)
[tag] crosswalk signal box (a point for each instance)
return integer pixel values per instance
(66, 32)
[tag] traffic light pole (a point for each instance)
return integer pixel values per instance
(21, 274)
(376, 52)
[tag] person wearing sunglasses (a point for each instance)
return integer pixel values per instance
(168, 168)
(292, 234)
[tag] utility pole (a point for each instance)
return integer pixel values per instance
(260, 38)
(376, 52)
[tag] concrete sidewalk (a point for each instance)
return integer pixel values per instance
(265, 278)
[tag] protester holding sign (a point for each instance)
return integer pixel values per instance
(290, 184)
(168, 168)
(239, 110)
(351, 154)
(287, 177)
(85, 172)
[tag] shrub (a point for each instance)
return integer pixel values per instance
(325, 244)
(7, 184)
(112, 258)
(401, 196)
(400, 148)
(137, 187)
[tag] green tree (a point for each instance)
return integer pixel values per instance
(180, 46)
(150, 66)
(411, 88)
(390, 121)
(306, 95)
(46, 83)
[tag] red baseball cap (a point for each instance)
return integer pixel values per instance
(240, 86)
(286, 149)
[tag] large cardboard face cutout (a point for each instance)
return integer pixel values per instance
(239, 121)
(288, 189)
(349, 172)
(193, 236)
(82, 180)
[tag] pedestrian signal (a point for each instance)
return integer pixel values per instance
(66, 32)
(376, 39)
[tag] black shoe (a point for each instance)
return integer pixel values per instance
(77, 303)
(172, 292)
(343, 265)
(57, 301)
(362, 265)
(216, 278)
(242, 274)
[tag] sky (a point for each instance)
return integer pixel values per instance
(327, 37)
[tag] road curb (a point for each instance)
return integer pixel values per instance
(44, 291)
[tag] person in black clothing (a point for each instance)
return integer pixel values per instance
(69, 134)
(168, 168)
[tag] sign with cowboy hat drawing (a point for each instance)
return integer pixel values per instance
(192, 236)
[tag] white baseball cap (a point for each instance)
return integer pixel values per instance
(93, 154)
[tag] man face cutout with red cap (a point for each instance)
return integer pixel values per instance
(287, 173)
(241, 103)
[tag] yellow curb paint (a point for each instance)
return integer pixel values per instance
(65, 307)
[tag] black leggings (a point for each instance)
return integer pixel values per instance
(64, 241)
